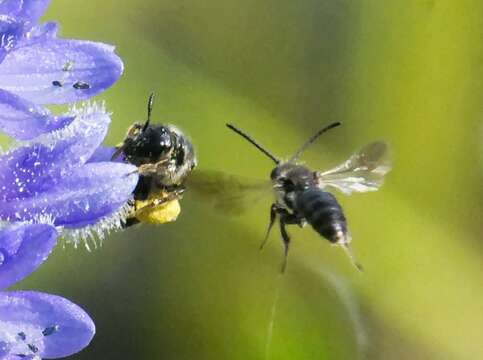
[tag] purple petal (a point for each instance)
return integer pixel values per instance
(104, 153)
(26, 10)
(10, 7)
(39, 33)
(58, 71)
(28, 170)
(22, 249)
(24, 120)
(33, 314)
(79, 198)
(11, 30)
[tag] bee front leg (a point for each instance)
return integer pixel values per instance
(148, 169)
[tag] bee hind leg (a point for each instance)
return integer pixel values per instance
(273, 217)
(286, 218)
(286, 244)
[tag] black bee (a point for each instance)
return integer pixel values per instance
(301, 195)
(164, 157)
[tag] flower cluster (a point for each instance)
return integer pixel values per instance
(58, 179)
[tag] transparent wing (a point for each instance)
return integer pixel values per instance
(363, 171)
(229, 194)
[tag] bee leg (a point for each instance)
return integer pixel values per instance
(273, 217)
(148, 169)
(130, 222)
(286, 218)
(286, 243)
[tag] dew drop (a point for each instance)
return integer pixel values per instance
(68, 66)
(57, 83)
(21, 335)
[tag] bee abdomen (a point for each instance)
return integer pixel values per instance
(323, 213)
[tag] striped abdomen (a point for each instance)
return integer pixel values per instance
(323, 212)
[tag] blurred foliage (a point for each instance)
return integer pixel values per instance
(409, 72)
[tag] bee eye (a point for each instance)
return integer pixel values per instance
(287, 184)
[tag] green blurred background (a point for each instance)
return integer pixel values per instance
(408, 72)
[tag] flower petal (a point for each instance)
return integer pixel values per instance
(22, 249)
(26, 10)
(104, 153)
(24, 120)
(38, 33)
(52, 325)
(58, 71)
(11, 30)
(28, 170)
(80, 198)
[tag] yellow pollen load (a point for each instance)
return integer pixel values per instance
(158, 214)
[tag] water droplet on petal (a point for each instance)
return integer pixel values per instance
(68, 66)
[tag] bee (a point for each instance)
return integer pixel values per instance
(164, 158)
(301, 194)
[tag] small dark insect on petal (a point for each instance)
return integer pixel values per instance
(57, 83)
(33, 348)
(81, 85)
(50, 330)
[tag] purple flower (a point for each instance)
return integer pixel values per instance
(33, 324)
(58, 181)
(38, 68)
(67, 180)
(61, 183)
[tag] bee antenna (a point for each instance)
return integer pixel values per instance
(253, 142)
(349, 252)
(150, 109)
(312, 139)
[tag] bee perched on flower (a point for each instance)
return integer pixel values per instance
(57, 180)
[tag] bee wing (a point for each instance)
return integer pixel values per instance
(229, 194)
(363, 171)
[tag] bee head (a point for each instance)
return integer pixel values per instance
(147, 145)
(292, 177)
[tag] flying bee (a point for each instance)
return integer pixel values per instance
(302, 196)
(164, 157)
